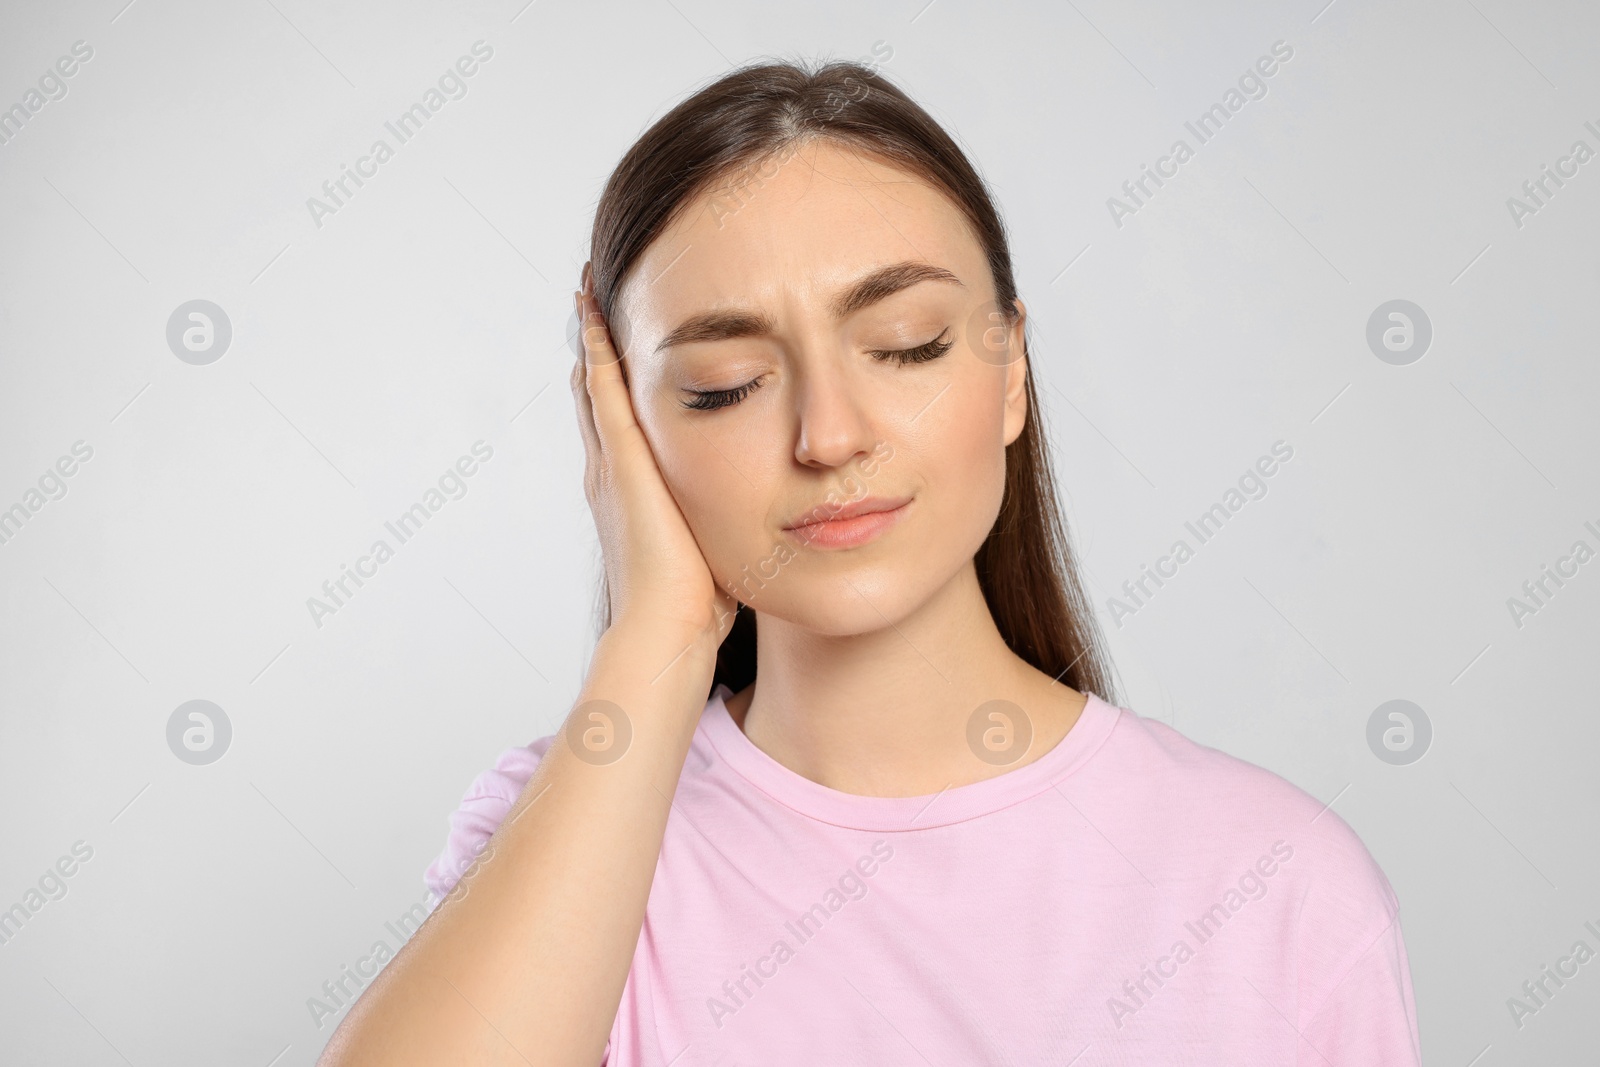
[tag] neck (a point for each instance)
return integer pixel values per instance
(885, 712)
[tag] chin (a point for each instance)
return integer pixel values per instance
(847, 601)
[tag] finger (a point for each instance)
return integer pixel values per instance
(611, 407)
(581, 386)
(599, 346)
(585, 413)
(610, 327)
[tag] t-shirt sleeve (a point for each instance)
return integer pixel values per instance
(483, 807)
(1370, 1017)
(1356, 1007)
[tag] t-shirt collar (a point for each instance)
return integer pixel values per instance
(953, 805)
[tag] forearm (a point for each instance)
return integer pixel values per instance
(524, 962)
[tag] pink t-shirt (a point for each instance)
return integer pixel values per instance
(1130, 897)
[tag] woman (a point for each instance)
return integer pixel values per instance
(906, 826)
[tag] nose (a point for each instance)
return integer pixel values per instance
(834, 427)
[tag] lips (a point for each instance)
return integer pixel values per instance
(848, 525)
(825, 513)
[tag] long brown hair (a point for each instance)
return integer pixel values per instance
(1025, 566)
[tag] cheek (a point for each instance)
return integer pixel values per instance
(966, 460)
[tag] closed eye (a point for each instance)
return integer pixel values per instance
(712, 399)
(921, 354)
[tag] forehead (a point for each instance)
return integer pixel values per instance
(797, 226)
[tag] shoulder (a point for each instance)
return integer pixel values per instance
(483, 807)
(1212, 804)
(1200, 789)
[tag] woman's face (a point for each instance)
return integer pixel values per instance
(760, 334)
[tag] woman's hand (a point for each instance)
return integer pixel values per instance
(655, 571)
(530, 944)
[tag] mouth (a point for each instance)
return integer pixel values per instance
(850, 525)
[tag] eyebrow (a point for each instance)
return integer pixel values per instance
(878, 285)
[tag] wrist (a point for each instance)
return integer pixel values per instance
(661, 650)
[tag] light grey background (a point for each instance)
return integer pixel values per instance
(428, 313)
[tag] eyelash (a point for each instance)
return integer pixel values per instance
(711, 400)
(921, 354)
